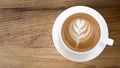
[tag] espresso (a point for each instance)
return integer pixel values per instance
(80, 32)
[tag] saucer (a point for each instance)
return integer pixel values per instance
(77, 57)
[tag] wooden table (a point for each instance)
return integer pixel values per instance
(26, 28)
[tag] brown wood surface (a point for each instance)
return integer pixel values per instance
(58, 4)
(26, 28)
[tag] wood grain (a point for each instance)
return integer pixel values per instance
(25, 35)
(59, 4)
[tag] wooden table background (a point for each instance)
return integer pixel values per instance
(26, 27)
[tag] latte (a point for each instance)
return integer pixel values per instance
(80, 32)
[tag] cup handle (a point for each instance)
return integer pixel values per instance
(108, 41)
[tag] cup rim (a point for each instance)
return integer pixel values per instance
(75, 10)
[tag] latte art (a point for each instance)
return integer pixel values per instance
(79, 30)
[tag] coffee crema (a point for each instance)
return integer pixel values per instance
(80, 32)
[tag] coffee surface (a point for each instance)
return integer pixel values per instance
(80, 32)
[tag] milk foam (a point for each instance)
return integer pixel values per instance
(79, 29)
(80, 32)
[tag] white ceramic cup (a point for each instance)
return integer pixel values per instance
(80, 56)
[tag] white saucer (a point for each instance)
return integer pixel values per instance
(74, 56)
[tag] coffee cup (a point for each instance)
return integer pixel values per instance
(80, 34)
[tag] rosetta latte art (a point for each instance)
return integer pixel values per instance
(79, 30)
